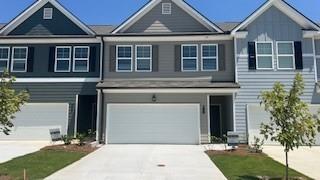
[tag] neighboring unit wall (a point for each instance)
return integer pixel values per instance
(58, 93)
(156, 22)
(166, 62)
(317, 48)
(273, 26)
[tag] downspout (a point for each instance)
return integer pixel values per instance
(100, 123)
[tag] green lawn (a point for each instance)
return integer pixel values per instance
(248, 167)
(39, 164)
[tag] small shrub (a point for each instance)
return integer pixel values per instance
(256, 146)
(217, 140)
(66, 139)
(81, 137)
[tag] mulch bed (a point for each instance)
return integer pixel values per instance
(5, 177)
(242, 150)
(72, 148)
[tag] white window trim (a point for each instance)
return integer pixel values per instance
(164, 12)
(7, 60)
(144, 58)
(80, 59)
(264, 55)
(215, 57)
(197, 58)
(117, 58)
(25, 59)
(62, 59)
(49, 17)
(286, 55)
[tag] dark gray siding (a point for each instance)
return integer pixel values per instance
(58, 93)
(274, 26)
(41, 61)
(166, 63)
(59, 25)
(317, 43)
(155, 22)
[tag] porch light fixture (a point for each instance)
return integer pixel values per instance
(154, 98)
(203, 109)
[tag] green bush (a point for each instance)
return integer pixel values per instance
(66, 139)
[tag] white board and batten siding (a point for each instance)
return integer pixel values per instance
(153, 123)
(34, 121)
(257, 115)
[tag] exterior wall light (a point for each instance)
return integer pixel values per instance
(154, 98)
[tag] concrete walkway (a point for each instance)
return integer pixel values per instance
(12, 149)
(143, 162)
(305, 160)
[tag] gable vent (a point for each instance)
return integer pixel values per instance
(166, 8)
(47, 13)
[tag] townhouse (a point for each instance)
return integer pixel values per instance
(166, 75)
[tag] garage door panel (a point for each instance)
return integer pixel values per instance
(35, 120)
(153, 123)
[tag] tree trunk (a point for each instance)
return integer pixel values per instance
(287, 166)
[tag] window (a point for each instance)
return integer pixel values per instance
(81, 59)
(19, 59)
(124, 58)
(47, 13)
(209, 57)
(189, 58)
(285, 55)
(166, 8)
(264, 53)
(144, 58)
(4, 58)
(63, 59)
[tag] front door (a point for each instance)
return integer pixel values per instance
(215, 120)
(87, 113)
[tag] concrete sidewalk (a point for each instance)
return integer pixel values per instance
(13, 149)
(143, 162)
(305, 160)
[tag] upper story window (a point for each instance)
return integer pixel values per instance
(166, 8)
(209, 57)
(63, 59)
(124, 58)
(19, 59)
(4, 58)
(264, 52)
(47, 13)
(81, 59)
(144, 58)
(285, 55)
(189, 57)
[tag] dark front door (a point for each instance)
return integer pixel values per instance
(215, 120)
(87, 113)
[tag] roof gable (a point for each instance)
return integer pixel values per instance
(285, 8)
(31, 22)
(180, 5)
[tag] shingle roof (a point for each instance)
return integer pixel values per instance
(227, 26)
(110, 84)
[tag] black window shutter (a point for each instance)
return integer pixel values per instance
(222, 57)
(177, 52)
(112, 58)
(298, 54)
(30, 60)
(155, 58)
(92, 59)
(52, 51)
(252, 55)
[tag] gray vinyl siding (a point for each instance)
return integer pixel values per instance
(164, 98)
(58, 25)
(166, 63)
(155, 22)
(41, 61)
(274, 26)
(317, 44)
(58, 93)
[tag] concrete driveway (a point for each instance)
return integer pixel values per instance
(12, 149)
(143, 162)
(305, 160)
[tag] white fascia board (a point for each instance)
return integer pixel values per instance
(167, 38)
(55, 80)
(309, 34)
(175, 90)
(136, 16)
(36, 40)
(34, 8)
(240, 34)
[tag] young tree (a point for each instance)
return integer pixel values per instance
(291, 123)
(10, 102)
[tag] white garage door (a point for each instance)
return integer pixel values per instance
(153, 123)
(36, 119)
(257, 115)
